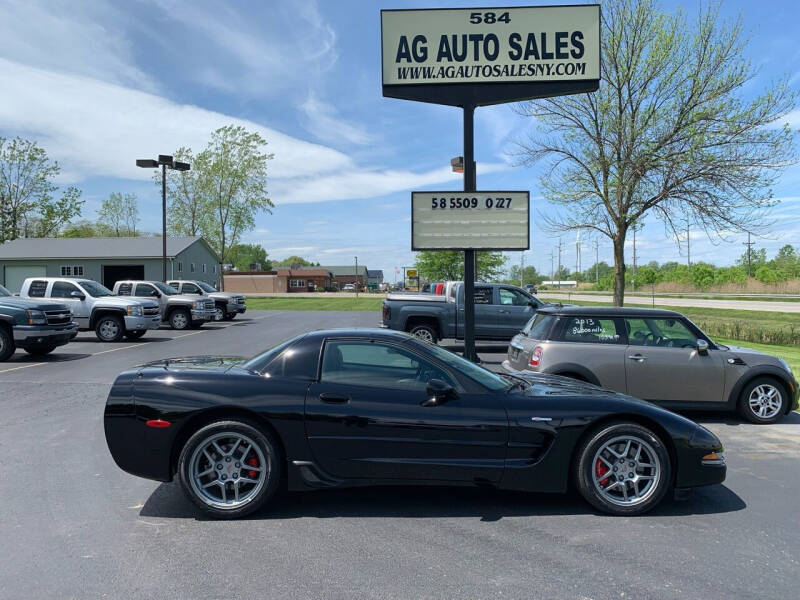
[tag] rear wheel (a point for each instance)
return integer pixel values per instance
(109, 328)
(7, 345)
(763, 401)
(623, 469)
(230, 468)
(135, 335)
(40, 349)
(180, 319)
(426, 333)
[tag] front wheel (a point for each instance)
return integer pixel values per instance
(7, 346)
(109, 328)
(230, 468)
(135, 335)
(180, 319)
(219, 313)
(40, 349)
(762, 401)
(426, 333)
(230, 316)
(623, 469)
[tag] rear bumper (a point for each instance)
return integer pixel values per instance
(59, 335)
(142, 323)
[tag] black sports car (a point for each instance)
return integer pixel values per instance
(375, 407)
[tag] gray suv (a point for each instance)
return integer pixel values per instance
(656, 355)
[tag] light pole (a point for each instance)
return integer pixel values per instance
(165, 161)
(356, 277)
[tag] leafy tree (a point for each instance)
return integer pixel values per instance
(242, 256)
(518, 276)
(448, 265)
(647, 275)
(669, 134)
(766, 275)
(758, 258)
(701, 275)
(735, 274)
(119, 214)
(601, 269)
(189, 210)
(27, 205)
(292, 262)
(85, 228)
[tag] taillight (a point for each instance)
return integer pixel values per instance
(387, 313)
(536, 356)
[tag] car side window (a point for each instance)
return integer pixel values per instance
(37, 289)
(143, 289)
(483, 295)
(513, 297)
(124, 289)
(673, 333)
(375, 364)
(190, 288)
(63, 289)
(591, 330)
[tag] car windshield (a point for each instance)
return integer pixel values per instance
(470, 369)
(4, 291)
(260, 361)
(94, 289)
(205, 287)
(165, 289)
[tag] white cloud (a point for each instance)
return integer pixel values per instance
(320, 119)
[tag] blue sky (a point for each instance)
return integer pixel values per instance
(99, 84)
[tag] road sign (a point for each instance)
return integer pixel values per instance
(470, 220)
(438, 55)
(411, 273)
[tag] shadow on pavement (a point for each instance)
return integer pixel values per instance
(55, 357)
(728, 418)
(168, 501)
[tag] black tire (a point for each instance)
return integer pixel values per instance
(135, 335)
(774, 413)
(585, 469)
(7, 346)
(262, 439)
(109, 328)
(40, 349)
(180, 319)
(425, 332)
(230, 316)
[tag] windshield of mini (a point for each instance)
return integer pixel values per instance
(94, 289)
(165, 289)
(470, 369)
(4, 291)
(205, 287)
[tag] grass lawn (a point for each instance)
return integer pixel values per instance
(791, 354)
(360, 304)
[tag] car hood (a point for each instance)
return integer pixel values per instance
(224, 295)
(544, 384)
(196, 363)
(25, 303)
(746, 353)
(123, 301)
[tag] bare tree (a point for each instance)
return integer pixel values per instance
(668, 134)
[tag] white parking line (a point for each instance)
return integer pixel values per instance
(22, 367)
(188, 334)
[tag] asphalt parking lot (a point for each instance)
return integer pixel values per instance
(73, 525)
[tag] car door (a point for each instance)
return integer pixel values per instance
(514, 311)
(149, 291)
(486, 317)
(663, 364)
(365, 418)
(191, 288)
(62, 291)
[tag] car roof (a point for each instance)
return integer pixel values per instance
(607, 311)
(362, 332)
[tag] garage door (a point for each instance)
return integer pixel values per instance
(16, 274)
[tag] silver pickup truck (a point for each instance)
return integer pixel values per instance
(95, 307)
(181, 311)
(226, 305)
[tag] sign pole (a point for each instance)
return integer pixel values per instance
(470, 185)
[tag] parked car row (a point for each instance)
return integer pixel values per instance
(50, 311)
(656, 355)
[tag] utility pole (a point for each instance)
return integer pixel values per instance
(749, 245)
(596, 261)
(551, 264)
(688, 247)
(578, 255)
(634, 258)
(559, 263)
(522, 268)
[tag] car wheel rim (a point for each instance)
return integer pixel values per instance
(228, 470)
(179, 321)
(626, 471)
(765, 401)
(424, 334)
(219, 314)
(109, 330)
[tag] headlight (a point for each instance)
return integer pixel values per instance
(36, 317)
(198, 305)
(135, 310)
(786, 366)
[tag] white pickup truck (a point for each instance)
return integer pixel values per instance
(181, 311)
(96, 308)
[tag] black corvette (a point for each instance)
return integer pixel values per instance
(375, 407)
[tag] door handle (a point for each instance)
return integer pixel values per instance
(504, 312)
(334, 398)
(638, 357)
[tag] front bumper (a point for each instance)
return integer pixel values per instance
(795, 392)
(236, 308)
(59, 335)
(203, 314)
(142, 323)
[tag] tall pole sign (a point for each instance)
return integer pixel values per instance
(471, 57)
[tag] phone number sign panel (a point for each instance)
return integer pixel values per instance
(494, 220)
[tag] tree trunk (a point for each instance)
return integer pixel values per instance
(619, 269)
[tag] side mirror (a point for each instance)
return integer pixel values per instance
(77, 295)
(158, 294)
(702, 347)
(438, 392)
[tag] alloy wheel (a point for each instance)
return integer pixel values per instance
(219, 314)
(180, 321)
(227, 470)
(425, 335)
(626, 471)
(765, 401)
(109, 329)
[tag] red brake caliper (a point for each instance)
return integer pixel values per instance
(253, 462)
(600, 469)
